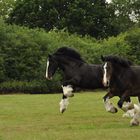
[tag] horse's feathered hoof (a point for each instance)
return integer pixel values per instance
(127, 106)
(134, 122)
(62, 111)
(113, 110)
(63, 105)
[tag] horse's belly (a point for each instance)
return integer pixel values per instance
(88, 84)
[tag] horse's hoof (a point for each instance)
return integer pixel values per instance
(134, 122)
(62, 110)
(127, 106)
(113, 110)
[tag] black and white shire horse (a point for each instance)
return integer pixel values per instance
(76, 73)
(123, 80)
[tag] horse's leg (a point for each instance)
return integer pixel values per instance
(128, 105)
(135, 120)
(68, 86)
(128, 100)
(123, 98)
(139, 98)
(109, 106)
(67, 92)
(63, 103)
(128, 108)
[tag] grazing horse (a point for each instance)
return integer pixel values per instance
(76, 73)
(123, 80)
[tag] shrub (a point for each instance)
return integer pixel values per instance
(133, 39)
(24, 51)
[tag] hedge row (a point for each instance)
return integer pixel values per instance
(24, 51)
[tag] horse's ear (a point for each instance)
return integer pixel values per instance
(102, 58)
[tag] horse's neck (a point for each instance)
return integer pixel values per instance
(68, 67)
(116, 80)
(65, 64)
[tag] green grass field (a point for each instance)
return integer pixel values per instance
(37, 117)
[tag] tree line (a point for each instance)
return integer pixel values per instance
(24, 52)
(96, 18)
(31, 29)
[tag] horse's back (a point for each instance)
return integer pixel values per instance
(136, 70)
(91, 76)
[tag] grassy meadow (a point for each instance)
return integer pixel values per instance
(37, 117)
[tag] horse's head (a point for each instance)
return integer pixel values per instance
(64, 58)
(113, 65)
(107, 72)
(52, 66)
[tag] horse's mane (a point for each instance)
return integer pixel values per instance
(118, 60)
(66, 51)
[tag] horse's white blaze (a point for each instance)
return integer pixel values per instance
(63, 105)
(105, 74)
(47, 68)
(67, 90)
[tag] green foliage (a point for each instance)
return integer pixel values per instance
(23, 54)
(127, 13)
(24, 51)
(2, 76)
(34, 87)
(77, 16)
(23, 58)
(95, 18)
(6, 6)
(133, 39)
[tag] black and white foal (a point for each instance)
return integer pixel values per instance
(76, 73)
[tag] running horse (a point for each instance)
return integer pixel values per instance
(123, 80)
(76, 73)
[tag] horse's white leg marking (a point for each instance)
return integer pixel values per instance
(67, 90)
(136, 119)
(47, 68)
(63, 104)
(109, 106)
(129, 113)
(105, 74)
(127, 106)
